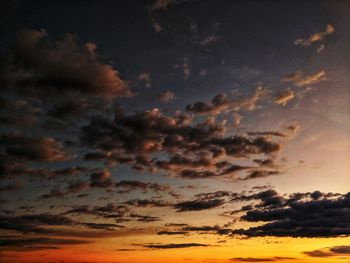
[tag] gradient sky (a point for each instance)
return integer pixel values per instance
(175, 131)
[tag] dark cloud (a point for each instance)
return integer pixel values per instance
(190, 149)
(42, 224)
(251, 259)
(170, 233)
(101, 179)
(197, 205)
(221, 104)
(39, 243)
(117, 212)
(18, 113)
(300, 215)
(120, 213)
(329, 252)
(127, 186)
(144, 218)
(12, 186)
(39, 66)
(260, 174)
(267, 133)
(171, 246)
(25, 148)
(147, 202)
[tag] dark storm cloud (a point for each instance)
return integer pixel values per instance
(172, 246)
(329, 252)
(39, 66)
(220, 104)
(251, 259)
(300, 215)
(26, 148)
(198, 205)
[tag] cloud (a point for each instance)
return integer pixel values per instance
(284, 97)
(220, 104)
(12, 186)
(260, 174)
(329, 252)
(126, 186)
(147, 203)
(161, 4)
(173, 246)
(197, 205)
(39, 66)
(300, 215)
(38, 243)
(299, 80)
(42, 224)
(189, 149)
(146, 79)
(18, 113)
(24, 148)
(101, 179)
(186, 69)
(119, 213)
(267, 133)
(251, 259)
(166, 96)
(317, 37)
(170, 233)
(144, 218)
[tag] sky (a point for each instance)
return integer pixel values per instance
(174, 131)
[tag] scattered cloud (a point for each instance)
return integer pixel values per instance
(299, 80)
(284, 97)
(145, 78)
(317, 37)
(166, 96)
(220, 104)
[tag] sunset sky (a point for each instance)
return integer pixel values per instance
(204, 131)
